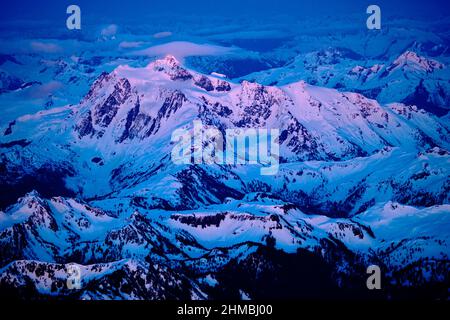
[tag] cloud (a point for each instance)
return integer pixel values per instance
(182, 49)
(45, 47)
(163, 34)
(130, 44)
(44, 90)
(109, 31)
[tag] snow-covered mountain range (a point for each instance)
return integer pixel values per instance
(409, 77)
(360, 182)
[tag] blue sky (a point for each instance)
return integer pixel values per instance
(137, 9)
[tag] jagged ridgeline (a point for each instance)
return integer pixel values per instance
(359, 183)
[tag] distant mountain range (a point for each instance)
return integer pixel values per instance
(408, 78)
